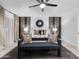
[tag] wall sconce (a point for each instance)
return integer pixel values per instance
(26, 29)
(55, 29)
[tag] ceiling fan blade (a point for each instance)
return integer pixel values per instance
(46, 0)
(42, 1)
(38, 1)
(42, 9)
(48, 4)
(34, 6)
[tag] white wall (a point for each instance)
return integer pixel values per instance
(69, 27)
(34, 27)
(78, 32)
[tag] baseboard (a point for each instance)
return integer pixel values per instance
(1, 48)
(7, 50)
(67, 43)
(71, 48)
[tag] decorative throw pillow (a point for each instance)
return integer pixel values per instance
(26, 38)
(53, 38)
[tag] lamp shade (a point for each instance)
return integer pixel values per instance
(55, 29)
(26, 29)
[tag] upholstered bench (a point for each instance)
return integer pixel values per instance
(40, 45)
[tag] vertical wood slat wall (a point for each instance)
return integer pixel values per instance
(9, 28)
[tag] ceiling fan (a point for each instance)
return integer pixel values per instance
(42, 4)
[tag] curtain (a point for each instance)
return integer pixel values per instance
(8, 29)
(24, 22)
(1, 29)
(55, 22)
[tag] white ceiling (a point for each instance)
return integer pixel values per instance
(20, 7)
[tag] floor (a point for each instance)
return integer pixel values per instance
(69, 52)
(42, 54)
(71, 48)
(7, 50)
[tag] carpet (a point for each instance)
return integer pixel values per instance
(66, 54)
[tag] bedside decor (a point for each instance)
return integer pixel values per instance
(26, 37)
(55, 29)
(53, 37)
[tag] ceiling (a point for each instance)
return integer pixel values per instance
(20, 7)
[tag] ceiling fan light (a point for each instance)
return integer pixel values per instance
(42, 6)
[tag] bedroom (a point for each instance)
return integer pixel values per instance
(69, 13)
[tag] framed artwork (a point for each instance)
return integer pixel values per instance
(39, 23)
